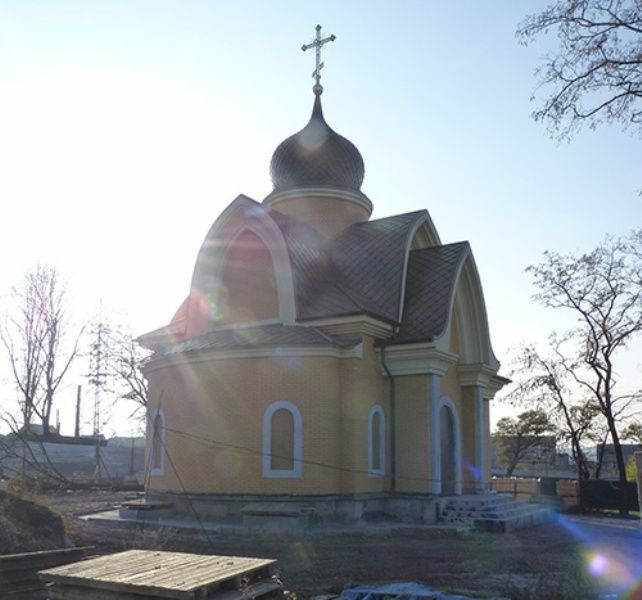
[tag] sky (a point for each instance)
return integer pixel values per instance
(126, 127)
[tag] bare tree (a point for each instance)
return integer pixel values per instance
(596, 73)
(516, 439)
(603, 291)
(125, 358)
(541, 381)
(40, 342)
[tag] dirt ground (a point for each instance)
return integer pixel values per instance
(543, 562)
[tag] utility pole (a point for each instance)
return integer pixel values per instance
(78, 398)
(97, 378)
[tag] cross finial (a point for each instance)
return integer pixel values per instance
(317, 43)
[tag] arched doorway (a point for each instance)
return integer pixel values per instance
(448, 451)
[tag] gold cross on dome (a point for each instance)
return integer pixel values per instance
(317, 44)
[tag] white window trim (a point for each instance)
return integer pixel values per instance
(296, 471)
(163, 439)
(380, 472)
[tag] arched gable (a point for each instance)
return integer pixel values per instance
(244, 219)
(468, 310)
(423, 234)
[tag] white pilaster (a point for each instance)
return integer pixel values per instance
(434, 394)
(479, 437)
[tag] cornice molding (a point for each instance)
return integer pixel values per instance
(475, 374)
(201, 356)
(496, 383)
(413, 359)
(357, 198)
(352, 325)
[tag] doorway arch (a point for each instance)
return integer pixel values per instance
(450, 448)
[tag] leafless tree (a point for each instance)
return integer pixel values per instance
(596, 72)
(542, 381)
(40, 342)
(125, 358)
(603, 291)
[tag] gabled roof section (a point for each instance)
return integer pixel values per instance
(431, 279)
(319, 285)
(363, 270)
(208, 254)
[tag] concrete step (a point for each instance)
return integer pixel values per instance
(494, 513)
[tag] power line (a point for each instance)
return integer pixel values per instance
(246, 449)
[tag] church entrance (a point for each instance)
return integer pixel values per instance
(448, 460)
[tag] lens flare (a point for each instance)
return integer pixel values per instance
(598, 565)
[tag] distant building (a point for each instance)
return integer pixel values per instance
(609, 464)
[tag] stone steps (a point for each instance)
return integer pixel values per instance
(492, 512)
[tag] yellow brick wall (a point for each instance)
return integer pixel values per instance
(362, 386)
(224, 400)
(413, 436)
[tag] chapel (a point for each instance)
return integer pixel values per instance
(322, 361)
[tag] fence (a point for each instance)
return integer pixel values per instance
(571, 494)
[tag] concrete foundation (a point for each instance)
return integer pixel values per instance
(297, 511)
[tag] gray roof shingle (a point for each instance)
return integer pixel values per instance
(358, 271)
(361, 270)
(257, 337)
(430, 285)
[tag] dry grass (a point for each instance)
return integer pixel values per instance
(27, 524)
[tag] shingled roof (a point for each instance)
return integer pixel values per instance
(265, 336)
(432, 273)
(361, 270)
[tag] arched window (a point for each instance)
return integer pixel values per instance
(376, 441)
(157, 450)
(282, 443)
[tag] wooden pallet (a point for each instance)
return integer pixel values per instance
(146, 574)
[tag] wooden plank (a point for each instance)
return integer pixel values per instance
(157, 571)
(18, 572)
(8, 559)
(81, 593)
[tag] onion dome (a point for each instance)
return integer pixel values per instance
(316, 157)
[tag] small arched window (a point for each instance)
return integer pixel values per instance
(376, 442)
(157, 450)
(282, 443)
